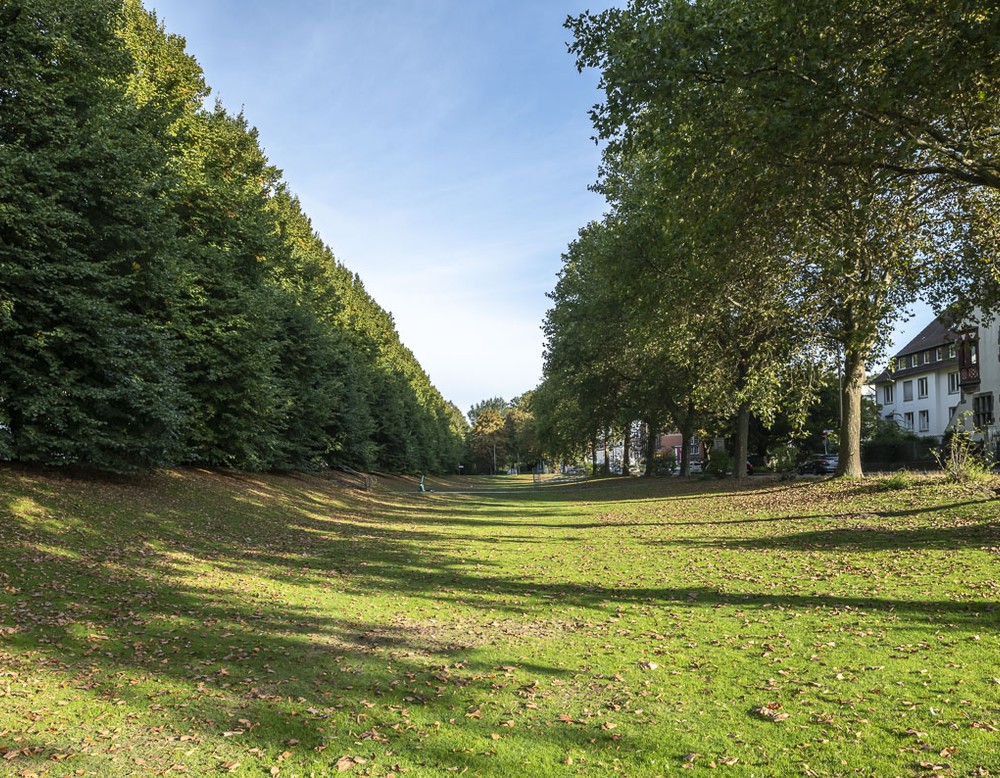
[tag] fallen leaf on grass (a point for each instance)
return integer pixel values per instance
(771, 711)
(229, 766)
(346, 763)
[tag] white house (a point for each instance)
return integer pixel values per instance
(943, 372)
(922, 388)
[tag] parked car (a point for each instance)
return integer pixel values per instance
(820, 464)
(749, 467)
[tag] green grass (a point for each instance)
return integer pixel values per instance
(198, 623)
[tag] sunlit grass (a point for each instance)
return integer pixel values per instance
(199, 622)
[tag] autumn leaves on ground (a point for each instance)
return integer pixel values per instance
(199, 623)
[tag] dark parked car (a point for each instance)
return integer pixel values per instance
(820, 464)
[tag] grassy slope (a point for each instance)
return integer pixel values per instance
(201, 623)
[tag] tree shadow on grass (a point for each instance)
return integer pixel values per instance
(124, 620)
(864, 532)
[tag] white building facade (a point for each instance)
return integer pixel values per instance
(978, 351)
(923, 388)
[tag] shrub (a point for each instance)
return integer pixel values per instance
(665, 463)
(720, 464)
(782, 458)
(962, 458)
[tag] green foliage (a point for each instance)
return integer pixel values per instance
(962, 457)
(163, 298)
(488, 441)
(832, 158)
(720, 463)
(86, 371)
(890, 431)
(664, 463)
(497, 404)
(783, 457)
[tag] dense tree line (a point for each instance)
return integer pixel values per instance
(783, 178)
(163, 297)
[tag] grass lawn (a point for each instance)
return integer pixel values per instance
(200, 623)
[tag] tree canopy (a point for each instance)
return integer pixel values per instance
(789, 177)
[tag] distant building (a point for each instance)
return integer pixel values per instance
(938, 375)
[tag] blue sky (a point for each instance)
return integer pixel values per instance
(442, 149)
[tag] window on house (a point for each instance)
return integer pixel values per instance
(911, 361)
(907, 391)
(951, 351)
(951, 413)
(908, 421)
(921, 387)
(982, 410)
(937, 354)
(953, 384)
(887, 394)
(924, 418)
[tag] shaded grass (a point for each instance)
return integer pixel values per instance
(200, 622)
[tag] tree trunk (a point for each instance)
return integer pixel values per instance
(627, 442)
(607, 452)
(742, 442)
(850, 427)
(685, 453)
(651, 436)
(593, 457)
